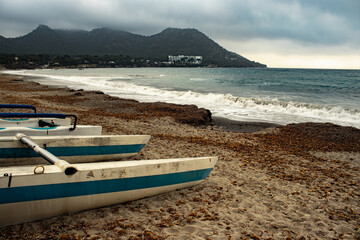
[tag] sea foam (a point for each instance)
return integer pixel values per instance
(224, 105)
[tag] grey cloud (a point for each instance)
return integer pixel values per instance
(289, 20)
(327, 22)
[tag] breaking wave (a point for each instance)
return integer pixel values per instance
(222, 105)
(242, 108)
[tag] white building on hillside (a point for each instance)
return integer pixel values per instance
(185, 59)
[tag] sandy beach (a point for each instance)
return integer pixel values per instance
(300, 181)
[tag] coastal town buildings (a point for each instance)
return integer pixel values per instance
(185, 59)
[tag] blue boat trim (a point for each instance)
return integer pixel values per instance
(16, 120)
(63, 190)
(42, 128)
(33, 115)
(72, 151)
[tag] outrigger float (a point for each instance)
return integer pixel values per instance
(34, 192)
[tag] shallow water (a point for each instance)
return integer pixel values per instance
(269, 95)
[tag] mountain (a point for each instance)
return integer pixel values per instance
(104, 41)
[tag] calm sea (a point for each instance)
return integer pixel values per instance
(266, 95)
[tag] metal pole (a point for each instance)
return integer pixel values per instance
(68, 169)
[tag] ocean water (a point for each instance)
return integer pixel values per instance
(261, 95)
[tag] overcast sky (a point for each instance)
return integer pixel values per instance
(279, 33)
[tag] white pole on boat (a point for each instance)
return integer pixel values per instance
(67, 168)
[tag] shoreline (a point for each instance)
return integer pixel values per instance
(298, 181)
(241, 126)
(216, 121)
(248, 109)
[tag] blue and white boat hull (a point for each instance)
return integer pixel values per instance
(74, 149)
(29, 193)
(33, 122)
(80, 130)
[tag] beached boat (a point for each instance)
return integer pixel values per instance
(29, 193)
(74, 149)
(33, 192)
(35, 122)
(41, 124)
(80, 130)
(44, 124)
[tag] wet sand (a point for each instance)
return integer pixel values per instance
(299, 181)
